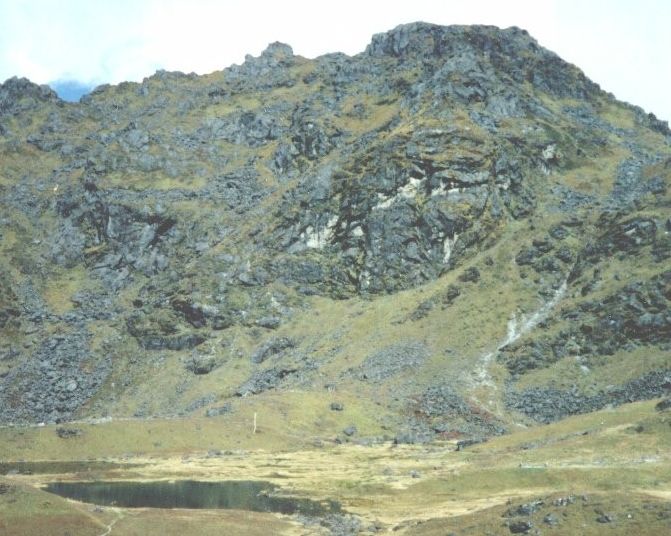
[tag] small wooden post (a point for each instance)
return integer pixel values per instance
(254, 431)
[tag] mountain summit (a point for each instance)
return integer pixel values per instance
(453, 232)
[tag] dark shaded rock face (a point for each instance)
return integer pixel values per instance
(548, 405)
(160, 333)
(639, 314)
(406, 210)
(190, 220)
(9, 312)
(126, 238)
(623, 236)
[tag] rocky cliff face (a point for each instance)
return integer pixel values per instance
(172, 244)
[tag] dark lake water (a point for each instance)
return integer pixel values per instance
(47, 467)
(257, 496)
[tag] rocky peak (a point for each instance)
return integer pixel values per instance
(266, 70)
(16, 91)
(423, 39)
(277, 51)
(512, 52)
(273, 55)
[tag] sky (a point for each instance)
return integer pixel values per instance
(623, 45)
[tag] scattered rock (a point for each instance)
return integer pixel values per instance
(470, 275)
(68, 433)
(564, 501)
(550, 404)
(221, 321)
(451, 294)
(201, 364)
(663, 405)
(520, 527)
(269, 322)
(341, 524)
(525, 509)
(221, 410)
(265, 380)
(271, 348)
(559, 232)
(393, 360)
(551, 520)
(55, 382)
(442, 400)
(200, 402)
(464, 443)
(422, 310)
(413, 437)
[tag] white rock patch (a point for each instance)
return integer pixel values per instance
(407, 191)
(318, 238)
(448, 246)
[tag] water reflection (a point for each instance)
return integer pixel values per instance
(257, 496)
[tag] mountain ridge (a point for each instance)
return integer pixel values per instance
(171, 242)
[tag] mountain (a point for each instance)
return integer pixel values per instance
(452, 233)
(327, 274)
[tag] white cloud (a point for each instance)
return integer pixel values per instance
(622, 45)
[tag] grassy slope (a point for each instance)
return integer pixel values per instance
(338, 334)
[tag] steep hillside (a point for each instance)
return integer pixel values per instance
(450, 234)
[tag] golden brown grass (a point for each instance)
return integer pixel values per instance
(625, 450)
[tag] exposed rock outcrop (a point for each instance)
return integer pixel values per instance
(184, 226)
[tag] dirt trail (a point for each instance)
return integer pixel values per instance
(110, 526)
